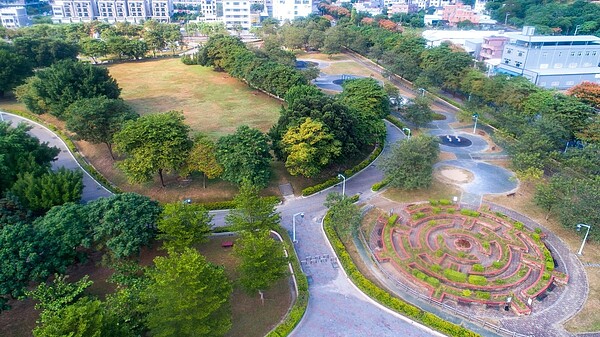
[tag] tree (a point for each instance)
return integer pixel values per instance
(22, 153)
(587, 92)
(14, 68)
(97, 119)
(153, 143)
(123, 223)
(309, 148)
(55, 88)
(183, 226)
(187, 296)
(343, 214)
(263, 261)
(334, 41)
(419, 112)
(253, 213)
(45, 51)
(245, 155)
(203, 158)
(93, 48)
(366, 96)
(40, 193)
(59, 293)
(410, 163)
(81, 319)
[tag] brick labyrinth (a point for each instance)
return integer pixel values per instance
(483, 258)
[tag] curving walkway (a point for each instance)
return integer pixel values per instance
(92, 189)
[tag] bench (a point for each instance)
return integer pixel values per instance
(227, 244)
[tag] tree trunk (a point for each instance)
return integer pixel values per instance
(160, 174)
(109, 145)
(262, 297)
(204, 179)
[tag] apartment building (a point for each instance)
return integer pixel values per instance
(288, 10)
(236, 14)
(69, 11)
(112, 10)
(454, 14)
(14, 17)
(161, 10)
(492, 47)
(552, 61)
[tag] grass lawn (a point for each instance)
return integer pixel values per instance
(438, 190)
(247, 320)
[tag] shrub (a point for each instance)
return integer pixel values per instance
(439, 253)
(485, 245)
(395, 121)
(469, 212)
(500, 281)
(418, 215)
(497, 264)
(478, 268)
(436, 268)
(377, 186)
(478, 280)
(392, 220)
(466, 293)
(501, 215)
(354, 198)
(433, 281)
(484, 295)
(436, 210)
(546, 276)
(445, 202)
(536, 237)
(462, 255)
(433, 202)
(522, 272)
(455, 276)
(549, 265)
(538, 230)
(450, 210)
(519, 225)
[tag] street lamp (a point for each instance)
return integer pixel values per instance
(294, 226)
(341, 176)
(580, 252)
(475, 118)
(422, 92)
(406, 132)
(506, 18)
(576, 29)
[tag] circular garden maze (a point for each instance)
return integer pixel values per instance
(465, 256)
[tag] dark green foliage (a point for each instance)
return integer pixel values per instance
(245, 156)
(14, 68)
(123, 223)
(21, 154)
(419, 112)
(343, 213)
(410, 163)
(253, 213)
(12, 211)
(55, 88)
(45, 51)
(40, 193)
(183, 226)
(154, 143)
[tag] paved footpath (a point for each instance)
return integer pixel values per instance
(92, 190)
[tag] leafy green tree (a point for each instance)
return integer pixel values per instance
(12, 211)
(97, 119)
(123, 223)
(22, 153)
(253, 213)
(55, 88)
(309, 148)
(59, 293)
(344, 214)
(410, 163)
(187, 296)
(14, 68)
(366, 96)
(153, 143)
(245, 155)
(183, 226)
(93, 48)
(83, 318)
(334, 41)
(40, 193)
(203, 158)
(419, 112)
(45, 51)
(263, 261)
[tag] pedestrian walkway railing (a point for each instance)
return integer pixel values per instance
(444, 306)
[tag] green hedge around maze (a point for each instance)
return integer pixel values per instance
(385, 298)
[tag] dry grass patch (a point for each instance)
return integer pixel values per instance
(212, 102)
(437, 190)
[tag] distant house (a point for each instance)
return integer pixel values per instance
(552, 61)
(14, 17)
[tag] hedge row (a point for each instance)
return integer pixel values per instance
(455, 276)
(229, 204)
(299, 308)
(469, 212)
(477, 280)
(377, 186)
(384, 297)
(348, 173)
(394, 120)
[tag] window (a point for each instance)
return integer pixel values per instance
(587, 53)
(572, 53)
(518, 64)
(545, 54)
(593, 53)
(558, 65)
(579, 54)
(508, 51)
(520, 53)
(559, 53)
(555, 84)
(506, 61)
(570, 83)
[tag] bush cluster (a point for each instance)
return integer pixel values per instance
(384, 297)
(519, 225)
(392, 220)
(395, 121)
(433, 281)
(348, 173)
(478, 280)
(484, 295)
(377, 186)
(497, 264)
(469, 212)
(549, 265)
(455, 276)
(478, 267)
(418, 215)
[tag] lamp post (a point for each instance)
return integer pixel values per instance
(422, 92)
(506, 18)
(580, 252)
(294, 226)
(576, 29)
(475, 118)
(406, 132)
(341, 176)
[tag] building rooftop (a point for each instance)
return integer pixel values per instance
(543, 38)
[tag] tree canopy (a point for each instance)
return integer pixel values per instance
(181, 226)
(253, 213)
(410, 163)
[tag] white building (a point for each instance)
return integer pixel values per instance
(480, 6)
(14, 17)
(236, 14)
(138, 10)
(112, 10)
(161, 10)
(291, 9)
(69, 11)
